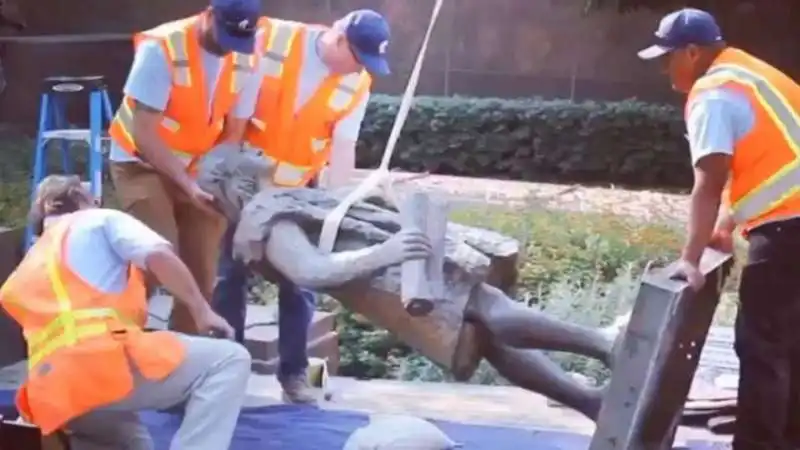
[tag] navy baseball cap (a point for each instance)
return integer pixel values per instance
(368, 34)
(235, 22)
(683, 28)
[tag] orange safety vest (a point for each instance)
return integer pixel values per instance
(81, 342)
(298, 145)
(186, 127)
(764, 183)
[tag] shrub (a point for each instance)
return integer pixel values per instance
(629, 142)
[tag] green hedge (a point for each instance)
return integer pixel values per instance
(627, 143)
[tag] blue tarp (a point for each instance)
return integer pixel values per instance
(291, 427)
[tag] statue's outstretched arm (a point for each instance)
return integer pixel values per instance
(290, 252)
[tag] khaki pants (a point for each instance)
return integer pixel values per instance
(194, 233)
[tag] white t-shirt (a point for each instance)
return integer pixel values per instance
(103, 243)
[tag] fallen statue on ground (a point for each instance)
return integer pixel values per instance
(277, 236)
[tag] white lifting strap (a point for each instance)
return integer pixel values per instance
(380, 176)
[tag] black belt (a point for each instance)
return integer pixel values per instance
(777, 228)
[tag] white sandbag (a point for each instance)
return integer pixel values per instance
(397, 432)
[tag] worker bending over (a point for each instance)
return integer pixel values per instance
(743, 121)
(314, 88)
(79, 297)
(187, 77)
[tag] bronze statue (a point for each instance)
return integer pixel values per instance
(277, 234)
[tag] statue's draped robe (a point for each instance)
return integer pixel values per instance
(472, 256)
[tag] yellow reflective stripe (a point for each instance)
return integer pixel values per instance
(785, 183)
(55, 325)
(66, 340)
(62, 298)
(278, 47)
(125, 119)
(286, 174)
(242, 68)
(258, 123)
(345, 91)
(178, 53)
(186, 159)
(170, 124)
(318, 145)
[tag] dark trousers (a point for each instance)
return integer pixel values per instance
(768, 340)
(295, 309)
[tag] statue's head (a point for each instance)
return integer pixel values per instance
(233, 176)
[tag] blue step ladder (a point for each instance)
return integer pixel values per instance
(53, 125)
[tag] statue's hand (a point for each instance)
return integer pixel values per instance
(408, 245)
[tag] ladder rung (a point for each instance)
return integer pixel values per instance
(73, 134)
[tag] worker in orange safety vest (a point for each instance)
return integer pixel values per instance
(184, 88)
(79, 297)
(314, 87)
(743, 123)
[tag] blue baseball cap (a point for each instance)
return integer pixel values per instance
(682, 28)
(235, 22)
(368, 34)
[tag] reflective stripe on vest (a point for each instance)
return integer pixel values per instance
(291, 175)
(283, 174)
(786, 182)
(69, 327)
(242, 68)
(345, 92)
(279, 44)
(178, 54)
(125, 118)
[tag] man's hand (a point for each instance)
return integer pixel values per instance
(202, 199)
(688, 271)
(722, 240)
(409, 245)
(212, 324)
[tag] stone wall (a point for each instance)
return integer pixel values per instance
(506, 48)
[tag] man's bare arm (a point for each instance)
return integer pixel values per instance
(711, 174)
(146, 121)
(234, 130)
(173, 274)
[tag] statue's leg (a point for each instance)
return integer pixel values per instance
(532, 370)
(519, 326)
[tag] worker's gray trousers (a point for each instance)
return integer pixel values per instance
(212, 382)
